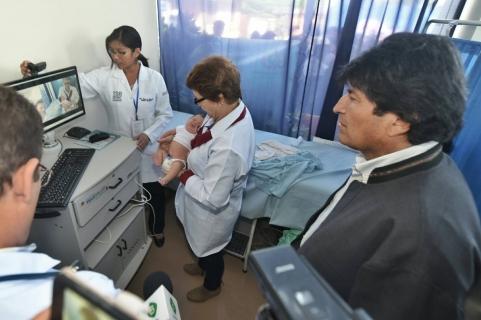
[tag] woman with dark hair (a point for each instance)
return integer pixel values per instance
(137, 104)
(209, 197)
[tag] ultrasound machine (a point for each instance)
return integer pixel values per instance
(44, 91)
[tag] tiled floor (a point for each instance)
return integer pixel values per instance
(240, 297)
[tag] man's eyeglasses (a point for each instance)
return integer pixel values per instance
(198, 100)
(46, 176)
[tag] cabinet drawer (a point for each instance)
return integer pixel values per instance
(89, 203)
(111, 265)
(127, 236)
(132, 239)
(102, 218)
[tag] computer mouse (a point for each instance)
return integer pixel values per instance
(99, 136)
(77, 132)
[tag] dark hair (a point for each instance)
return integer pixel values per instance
(21, 131)
(215, 75)
(129, 37)
(418, 77)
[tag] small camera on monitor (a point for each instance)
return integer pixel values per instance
(35, 68)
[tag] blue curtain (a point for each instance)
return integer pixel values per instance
(370, 22)
(285, 50)
(466, 150)
(280, 47)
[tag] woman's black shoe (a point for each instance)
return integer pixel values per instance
(159, 241)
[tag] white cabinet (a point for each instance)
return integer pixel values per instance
(101, 227)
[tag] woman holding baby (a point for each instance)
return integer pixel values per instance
(209, 196)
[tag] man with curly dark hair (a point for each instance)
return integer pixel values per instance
(401, 238)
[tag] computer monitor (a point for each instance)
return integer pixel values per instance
(56, 95)
(74, 299)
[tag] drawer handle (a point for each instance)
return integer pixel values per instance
(124, 244)
(117, 184)
(46, 214)
(120, 251)
(115, 208)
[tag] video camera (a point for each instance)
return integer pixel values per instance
(294, 290)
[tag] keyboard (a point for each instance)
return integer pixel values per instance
(64, 177)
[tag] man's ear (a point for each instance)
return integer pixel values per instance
(221, 99)
(399, 126)
(23, 180)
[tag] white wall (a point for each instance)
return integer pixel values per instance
(68, 32)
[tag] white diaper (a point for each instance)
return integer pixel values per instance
(168, 161)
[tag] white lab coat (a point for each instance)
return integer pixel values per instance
(153, 106)
(209, 204)
(74, 97)
(23, 299)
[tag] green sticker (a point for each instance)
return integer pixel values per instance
(152, 309)
(172, 305)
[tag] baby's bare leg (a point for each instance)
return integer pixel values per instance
(159, 156)
(176, 151)
(174, 170)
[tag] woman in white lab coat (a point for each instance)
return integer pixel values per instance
(137, 104)
(209, 197)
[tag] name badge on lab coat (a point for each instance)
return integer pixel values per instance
(137, 127)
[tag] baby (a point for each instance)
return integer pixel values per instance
(172, 156)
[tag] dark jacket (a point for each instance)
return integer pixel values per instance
(406, 245)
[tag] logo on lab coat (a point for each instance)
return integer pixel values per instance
(116, 95)
(146, 99)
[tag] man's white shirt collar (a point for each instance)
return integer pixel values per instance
(363, 168)
(18, 260)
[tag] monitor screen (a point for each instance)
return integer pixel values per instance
(72, 298)
(55, 94)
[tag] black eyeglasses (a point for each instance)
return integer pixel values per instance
(198, 100)
(46, 176)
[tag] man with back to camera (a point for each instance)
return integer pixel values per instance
(401, 239)
(20, 152)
